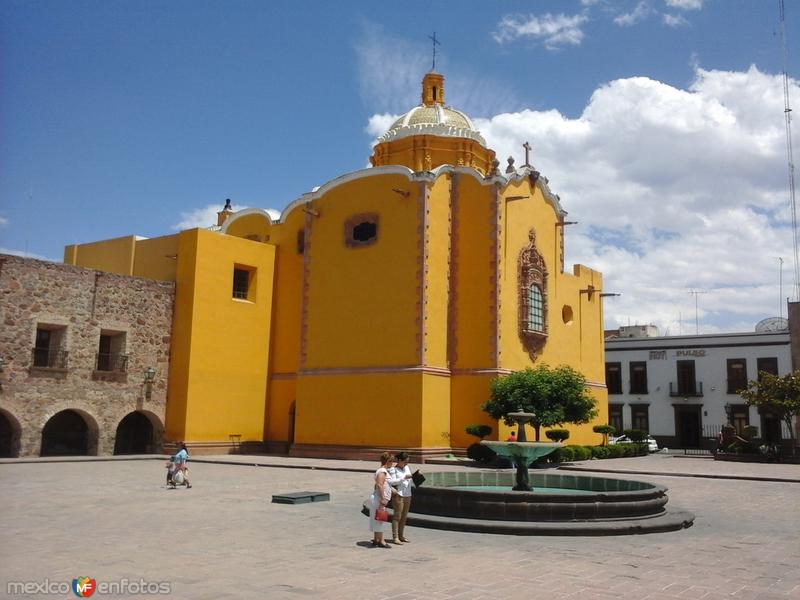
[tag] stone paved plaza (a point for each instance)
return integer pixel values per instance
(225, 539)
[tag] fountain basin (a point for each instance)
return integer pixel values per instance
(604, 506)
(600, 497)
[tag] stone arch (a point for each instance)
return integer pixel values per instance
(138, 432)
(10, 434)
(70, 432)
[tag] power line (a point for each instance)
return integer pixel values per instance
(787, 111)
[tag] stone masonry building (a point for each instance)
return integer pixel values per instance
(84, 360)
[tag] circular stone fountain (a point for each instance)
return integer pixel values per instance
(545, 504)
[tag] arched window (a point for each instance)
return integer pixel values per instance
(535, 308)
(532, 298)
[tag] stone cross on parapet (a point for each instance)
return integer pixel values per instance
(435, 43)
(527, 147)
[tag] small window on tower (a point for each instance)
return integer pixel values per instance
(361, 230)
(244, 279)
(434, 93)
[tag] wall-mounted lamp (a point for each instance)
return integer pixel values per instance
(591, 291)
(149, 377)
(727, 408)
(403, 193)
(562, 223)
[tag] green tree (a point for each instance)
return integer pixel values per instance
(554, 396)
(605, 430)
(781, 395)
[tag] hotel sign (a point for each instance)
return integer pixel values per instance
(662, 354)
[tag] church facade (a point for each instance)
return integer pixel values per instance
(374, 312)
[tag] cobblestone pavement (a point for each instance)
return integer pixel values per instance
(225, 539)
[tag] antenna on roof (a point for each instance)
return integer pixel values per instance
(787, 111)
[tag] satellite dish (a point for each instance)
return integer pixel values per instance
(772, 324)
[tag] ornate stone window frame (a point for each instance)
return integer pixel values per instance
(532, 271)
(355, 221)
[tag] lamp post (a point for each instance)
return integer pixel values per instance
(149, 377)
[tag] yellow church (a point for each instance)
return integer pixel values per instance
(374, 312)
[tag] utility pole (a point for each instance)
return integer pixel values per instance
(780, 286)
(696, 293)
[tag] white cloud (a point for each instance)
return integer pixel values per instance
(25, 254)
(554, 31)
(675, 189)
(207, 216)
(390, 74)
(641, 12)
(685, 4)
(3, 221)
(674, 20)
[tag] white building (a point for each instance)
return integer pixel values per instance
(680, 388)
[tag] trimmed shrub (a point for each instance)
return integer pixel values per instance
(579, 452)
(616, 450)
(479, 431)
(563, 454)
(636, 435)
(601, 451)
(557, 435)
(479, 453)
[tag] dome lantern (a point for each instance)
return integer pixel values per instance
(433, 134)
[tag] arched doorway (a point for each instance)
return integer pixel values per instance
(67, 433)
(135, 435)
(9, 435)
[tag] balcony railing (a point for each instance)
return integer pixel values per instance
(112, 363)
(689, 388)
(48, 358)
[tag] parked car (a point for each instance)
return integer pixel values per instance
(652, 445)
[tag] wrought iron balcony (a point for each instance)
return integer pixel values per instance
(686, 389)
(48, 358)
(112, 363)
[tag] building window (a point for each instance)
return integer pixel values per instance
(614, 377)
(243, 282)
(615, 417)
(49, 348)
(111, 355)
(737, 375)
(638, 377)
(767, 365)
(687, 384)
(740, 417)
(361, 230)
(535, 308)
(532, 297)
(640, 417)
(301, 241)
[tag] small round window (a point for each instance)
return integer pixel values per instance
(361, 230)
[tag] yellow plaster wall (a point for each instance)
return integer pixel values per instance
(113, 256)
(220, 350)
(354, 409)
(362, 304)
(468, 393)
(475, 251)
(157, 258)
(435, 411)
(437, 256)
(577, 342)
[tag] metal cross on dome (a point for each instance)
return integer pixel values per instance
(435, 43)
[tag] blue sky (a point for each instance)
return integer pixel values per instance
(659, 123)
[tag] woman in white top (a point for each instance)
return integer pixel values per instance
(381, 495)
(400, 479)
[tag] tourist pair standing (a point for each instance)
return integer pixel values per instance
(392, 484)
